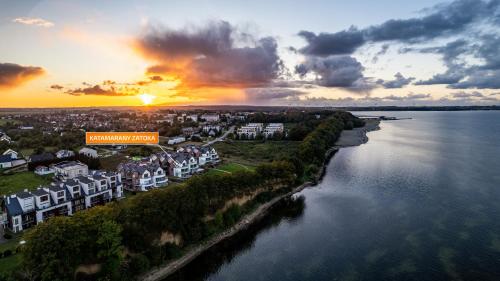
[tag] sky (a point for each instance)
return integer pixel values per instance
(295, 53)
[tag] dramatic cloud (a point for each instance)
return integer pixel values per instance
(103, 90)
(456, 19)
(12, 75)
(335, 71)
(217, 55)
(399, 81)
(33, 21)
(444, 20)
(325, 44)
(273, 95)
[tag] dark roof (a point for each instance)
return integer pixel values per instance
(5, 158)
(56, 188)
(42, 157)
(84, 180)
(39, 192)
(71, 182)
(13, 207)
(23, 194)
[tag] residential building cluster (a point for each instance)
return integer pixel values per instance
(252, 130)
(74, 188)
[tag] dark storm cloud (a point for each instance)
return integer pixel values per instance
(335, 71)
(273, 94)
(325, 44)
(479, 79)
(399, 81)
(13, 75)
(217, 55)
(442, 21)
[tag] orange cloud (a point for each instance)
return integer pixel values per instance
(210, 57)
(13, 75)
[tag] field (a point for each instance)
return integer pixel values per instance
(19, 181)
(229, 168)
(9, 263)
(254, 152)
(5, 121)
(110, 163)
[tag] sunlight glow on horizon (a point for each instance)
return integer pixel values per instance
(147, 99)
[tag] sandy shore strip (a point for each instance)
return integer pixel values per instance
(357, 136)
(353, 137)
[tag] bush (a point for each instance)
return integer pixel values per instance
(7, 253)
(138, 264)
(7, 236)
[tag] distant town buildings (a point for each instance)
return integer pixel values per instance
(4, 137)
(61, 154)
(272, 129)
(252, 130)
(210, 117)
(89, 152)
(176, 140)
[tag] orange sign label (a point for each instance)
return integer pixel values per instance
(126, 138)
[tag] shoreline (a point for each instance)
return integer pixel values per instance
(354, 137)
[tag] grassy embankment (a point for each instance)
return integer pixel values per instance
(20, 181)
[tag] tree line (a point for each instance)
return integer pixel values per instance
(126, 238)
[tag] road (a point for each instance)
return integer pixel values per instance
(221, 138)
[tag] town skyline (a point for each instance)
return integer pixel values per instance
(82, 54)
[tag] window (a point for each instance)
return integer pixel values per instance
(76, 189)
(16, 221)
(103, 182)
(44, 198)
(60, 193)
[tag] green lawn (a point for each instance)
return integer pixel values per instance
(230, 168)
(19, 181)
(255, 152)
(5, 121)
(10, 263)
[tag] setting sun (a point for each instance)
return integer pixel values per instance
(147, 99)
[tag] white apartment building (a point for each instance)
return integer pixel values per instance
(250, 131)
(63, 198)
(70, 169)
(273, 128)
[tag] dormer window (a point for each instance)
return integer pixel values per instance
(76, 189)
(44, 198)
(60, 194)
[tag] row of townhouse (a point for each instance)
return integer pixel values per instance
(252, 130)
(186, 161)
(142, 175)
(66, 195)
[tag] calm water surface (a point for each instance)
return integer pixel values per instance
(419, 201)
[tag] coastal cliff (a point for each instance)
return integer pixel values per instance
(354, 137)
